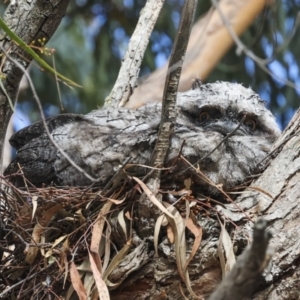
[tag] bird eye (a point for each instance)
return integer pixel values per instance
(204, 116)
(251, 123)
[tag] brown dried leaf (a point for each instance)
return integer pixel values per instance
(197, 232)
(122, 222)
(170, 235)
(227, 258)
(178, 228)
(38, 230)
(152, 198)
(101, 286)
(65, 248)
(98, 232)
(77, 283)
(89, 281)
(34, 206)
(59, 240)
(116, 201)
(48, 253)
(116, 261)
(107, 248)
(85, 266)
(80, 216)
(187, 183)
(128, 216)
(157, 227)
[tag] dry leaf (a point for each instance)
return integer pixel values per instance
(128, 216)
(116, 261)
(59, 240)
(77, 283)
(88, 283)
(122, 222)
(170, 235)
(107, 249)
(197, 232)
(100, 284)
(34, 206)
(38, 230)
(97, 233)
(152, 198)
(115, 201)
(159, 222)
(187, 183)
(227, 258)
(178, 228)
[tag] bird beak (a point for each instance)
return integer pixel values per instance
(225, 127)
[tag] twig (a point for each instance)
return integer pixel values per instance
(168, 117)
(220, 189)
(278, 147)
(168, 114)
(11, 288)
(243, 48)
(23, 176)
(66, 156)
(214, 149)
(118, 173)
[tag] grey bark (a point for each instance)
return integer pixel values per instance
(31, 21)
(243, 280)
(169, 111)
(131, 63)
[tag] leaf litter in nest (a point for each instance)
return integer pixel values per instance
(85, 213)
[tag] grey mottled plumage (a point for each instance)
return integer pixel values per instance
(102, 140)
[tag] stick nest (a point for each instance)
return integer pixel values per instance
(51, 238)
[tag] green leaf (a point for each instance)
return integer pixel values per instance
(34, 55)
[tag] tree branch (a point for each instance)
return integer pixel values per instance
(30, 21)
(133, 58)
(243, 279)
(168, 114)
(208, 44)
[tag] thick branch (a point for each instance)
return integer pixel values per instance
(134, 55)
(243, 279)
(209, 42)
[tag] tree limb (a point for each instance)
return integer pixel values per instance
(31, 21)
(133, 58)
(243, 279)
(168, 114)
(208, 44)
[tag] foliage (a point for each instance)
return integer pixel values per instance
(269, 38)
(93, 37)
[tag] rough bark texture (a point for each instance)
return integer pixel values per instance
(168, 114)
(31, 21)
(134, 55)
(243, 279)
